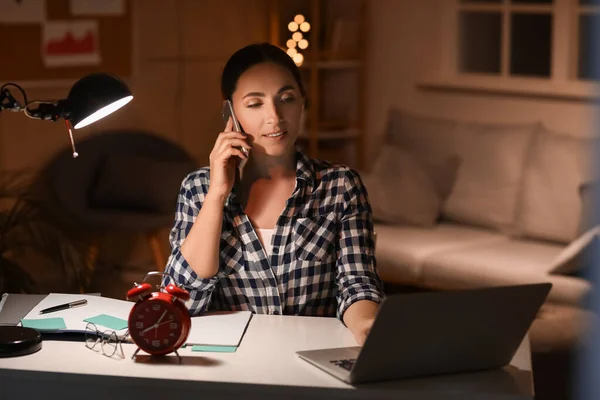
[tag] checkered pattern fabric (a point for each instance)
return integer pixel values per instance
(323, 248)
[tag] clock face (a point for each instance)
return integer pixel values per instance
(156, 325)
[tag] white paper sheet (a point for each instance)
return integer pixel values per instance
(22, 12)
(74, 317)
(219, 329)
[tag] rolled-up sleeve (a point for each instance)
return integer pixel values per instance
(189, 203)
(357, 275)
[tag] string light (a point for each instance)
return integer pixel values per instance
(303, 44)
(298, 59)
(297, 41)
(305, 27)
(297, 36)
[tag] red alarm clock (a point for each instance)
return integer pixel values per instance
(159, 322)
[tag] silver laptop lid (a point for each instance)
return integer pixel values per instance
(431, 333)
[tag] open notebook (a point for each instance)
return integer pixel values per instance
(215, 329)
(97, 309)
(219, 329)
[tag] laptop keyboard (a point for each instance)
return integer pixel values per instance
(346, 364)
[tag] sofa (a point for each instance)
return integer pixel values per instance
(459, 205)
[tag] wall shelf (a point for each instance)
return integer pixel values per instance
(330, 135)
(334, 64)
(333, 71)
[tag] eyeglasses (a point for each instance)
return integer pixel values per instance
(110, 344)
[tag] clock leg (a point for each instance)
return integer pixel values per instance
(178, 356)
(135, 352)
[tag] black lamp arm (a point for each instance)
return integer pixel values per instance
(7, 100)
(48, 110)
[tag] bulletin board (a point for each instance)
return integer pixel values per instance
(22, 44)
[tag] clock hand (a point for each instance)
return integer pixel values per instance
(162, 323)
(158, 323)
(155, 325)
(147, 329)
(160, 319)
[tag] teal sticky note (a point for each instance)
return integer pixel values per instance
(215, 349)
(108, 321)
(45, 324)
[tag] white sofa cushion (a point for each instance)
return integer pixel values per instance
(401, 250)
(550, 205)
(453, 256)
(510, 256)
(492, 158)
(404, 189)
(489, 179)
(426, 136)
(401, 191)
(502, 263)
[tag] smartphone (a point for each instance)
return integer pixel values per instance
(226, 113)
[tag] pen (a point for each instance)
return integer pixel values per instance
(64, 306)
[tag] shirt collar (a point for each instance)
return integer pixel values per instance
(305, 168)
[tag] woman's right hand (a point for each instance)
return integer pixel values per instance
(224, 159)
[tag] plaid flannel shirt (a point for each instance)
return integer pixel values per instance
(322, 259)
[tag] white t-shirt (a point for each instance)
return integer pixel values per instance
(265, 236)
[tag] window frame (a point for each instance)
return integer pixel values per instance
(563, 81)
(573, 60)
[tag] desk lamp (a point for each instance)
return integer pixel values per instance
(91, 98)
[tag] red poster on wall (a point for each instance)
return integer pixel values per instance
(70, 43)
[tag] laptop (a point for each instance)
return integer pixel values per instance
(434, 333)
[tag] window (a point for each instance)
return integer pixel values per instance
(547, 39)
(505, 37)
(588, 18)
(539, 48)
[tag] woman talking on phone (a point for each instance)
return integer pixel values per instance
(291, 235)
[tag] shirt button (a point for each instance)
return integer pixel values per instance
(275, 250)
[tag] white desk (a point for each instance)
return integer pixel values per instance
(264, 366)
